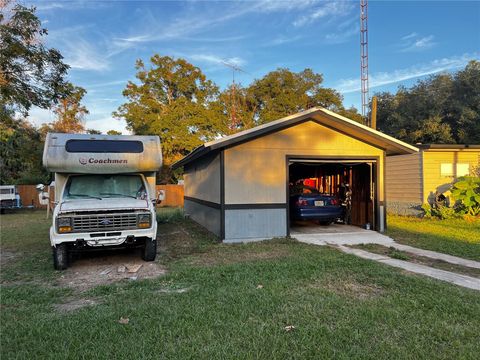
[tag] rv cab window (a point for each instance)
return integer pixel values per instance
(104, 186)
(104, 146)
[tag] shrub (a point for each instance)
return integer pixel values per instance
(442, 212)
(466, 192)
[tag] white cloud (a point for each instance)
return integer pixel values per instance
(38, 116)
(329, 9)
(81, 55)
(280, 40)
(410, 36)
(414, 42)
(190, 24)
(106, 84)
(342, 36)
(107, 123)
(284, 5)
(385, 78)
(209, 58)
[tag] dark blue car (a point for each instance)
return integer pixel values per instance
(307, 203)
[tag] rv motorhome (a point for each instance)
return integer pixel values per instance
(104, 191)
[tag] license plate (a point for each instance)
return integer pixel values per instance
(319, 203)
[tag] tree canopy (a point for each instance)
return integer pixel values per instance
(70, 112)
(281, 93)
(31, 74)
(443, 108)
(172, 99)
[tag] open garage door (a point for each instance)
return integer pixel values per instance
(333, 178)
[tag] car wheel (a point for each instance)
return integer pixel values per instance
(60, 257)
(149, 250)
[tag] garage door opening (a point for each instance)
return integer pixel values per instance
(318, 194)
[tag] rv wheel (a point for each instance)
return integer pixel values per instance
(150, 250)
(60, 257)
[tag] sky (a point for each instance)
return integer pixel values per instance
(408, 40)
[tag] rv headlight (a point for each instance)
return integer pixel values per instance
(64, 224)
(144, 220)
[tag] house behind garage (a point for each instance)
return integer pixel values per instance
(413, 179)
(238, 186)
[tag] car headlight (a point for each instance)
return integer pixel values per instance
(64, 224)
(144, 220)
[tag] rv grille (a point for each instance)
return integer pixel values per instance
(99, 222)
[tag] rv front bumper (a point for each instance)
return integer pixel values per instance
(99, 239)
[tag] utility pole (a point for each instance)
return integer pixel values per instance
(364, 59)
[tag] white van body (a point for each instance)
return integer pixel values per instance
(104, 190)
(9, 198)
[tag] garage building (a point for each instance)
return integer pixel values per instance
(238, 186)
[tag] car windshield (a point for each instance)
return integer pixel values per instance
(104, 186)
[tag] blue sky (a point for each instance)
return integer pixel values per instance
(101, 40)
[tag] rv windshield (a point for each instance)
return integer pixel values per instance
(105, 186)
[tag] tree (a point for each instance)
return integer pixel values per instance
(278, 94)
(31, 74)
(70, 113)
(283, 92)
(174, 100)
(443, 108)
(113, 132)
(93, 132)
(463, 109)
(21, 149)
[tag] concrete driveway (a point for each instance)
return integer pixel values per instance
(337, 234)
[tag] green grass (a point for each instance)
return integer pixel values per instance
(452, 236)
(422, 260)
(169, 214)
(341, 306)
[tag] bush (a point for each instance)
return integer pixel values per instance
(466, 191)
(441, 212)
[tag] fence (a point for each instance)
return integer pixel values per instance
(173, 195)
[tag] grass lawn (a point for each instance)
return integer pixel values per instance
(453, 236)
(229, 302)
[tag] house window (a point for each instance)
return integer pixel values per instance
(446, 169)
(463, 169)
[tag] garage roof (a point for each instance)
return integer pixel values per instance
(320, 115)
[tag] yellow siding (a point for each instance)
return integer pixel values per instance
(432, 161)
(403, 178)
(255, 172)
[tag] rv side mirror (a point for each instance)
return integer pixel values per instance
(161, 195)
(40, 188)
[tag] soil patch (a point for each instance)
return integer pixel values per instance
(75, 304)
(7, 256)
(103, 268)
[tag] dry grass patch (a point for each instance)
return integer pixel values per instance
(350, 288)
(75, 304)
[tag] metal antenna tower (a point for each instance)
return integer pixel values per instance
(364, 59)
(233, 112)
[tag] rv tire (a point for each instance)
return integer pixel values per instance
(60, 257)
(150, 250)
